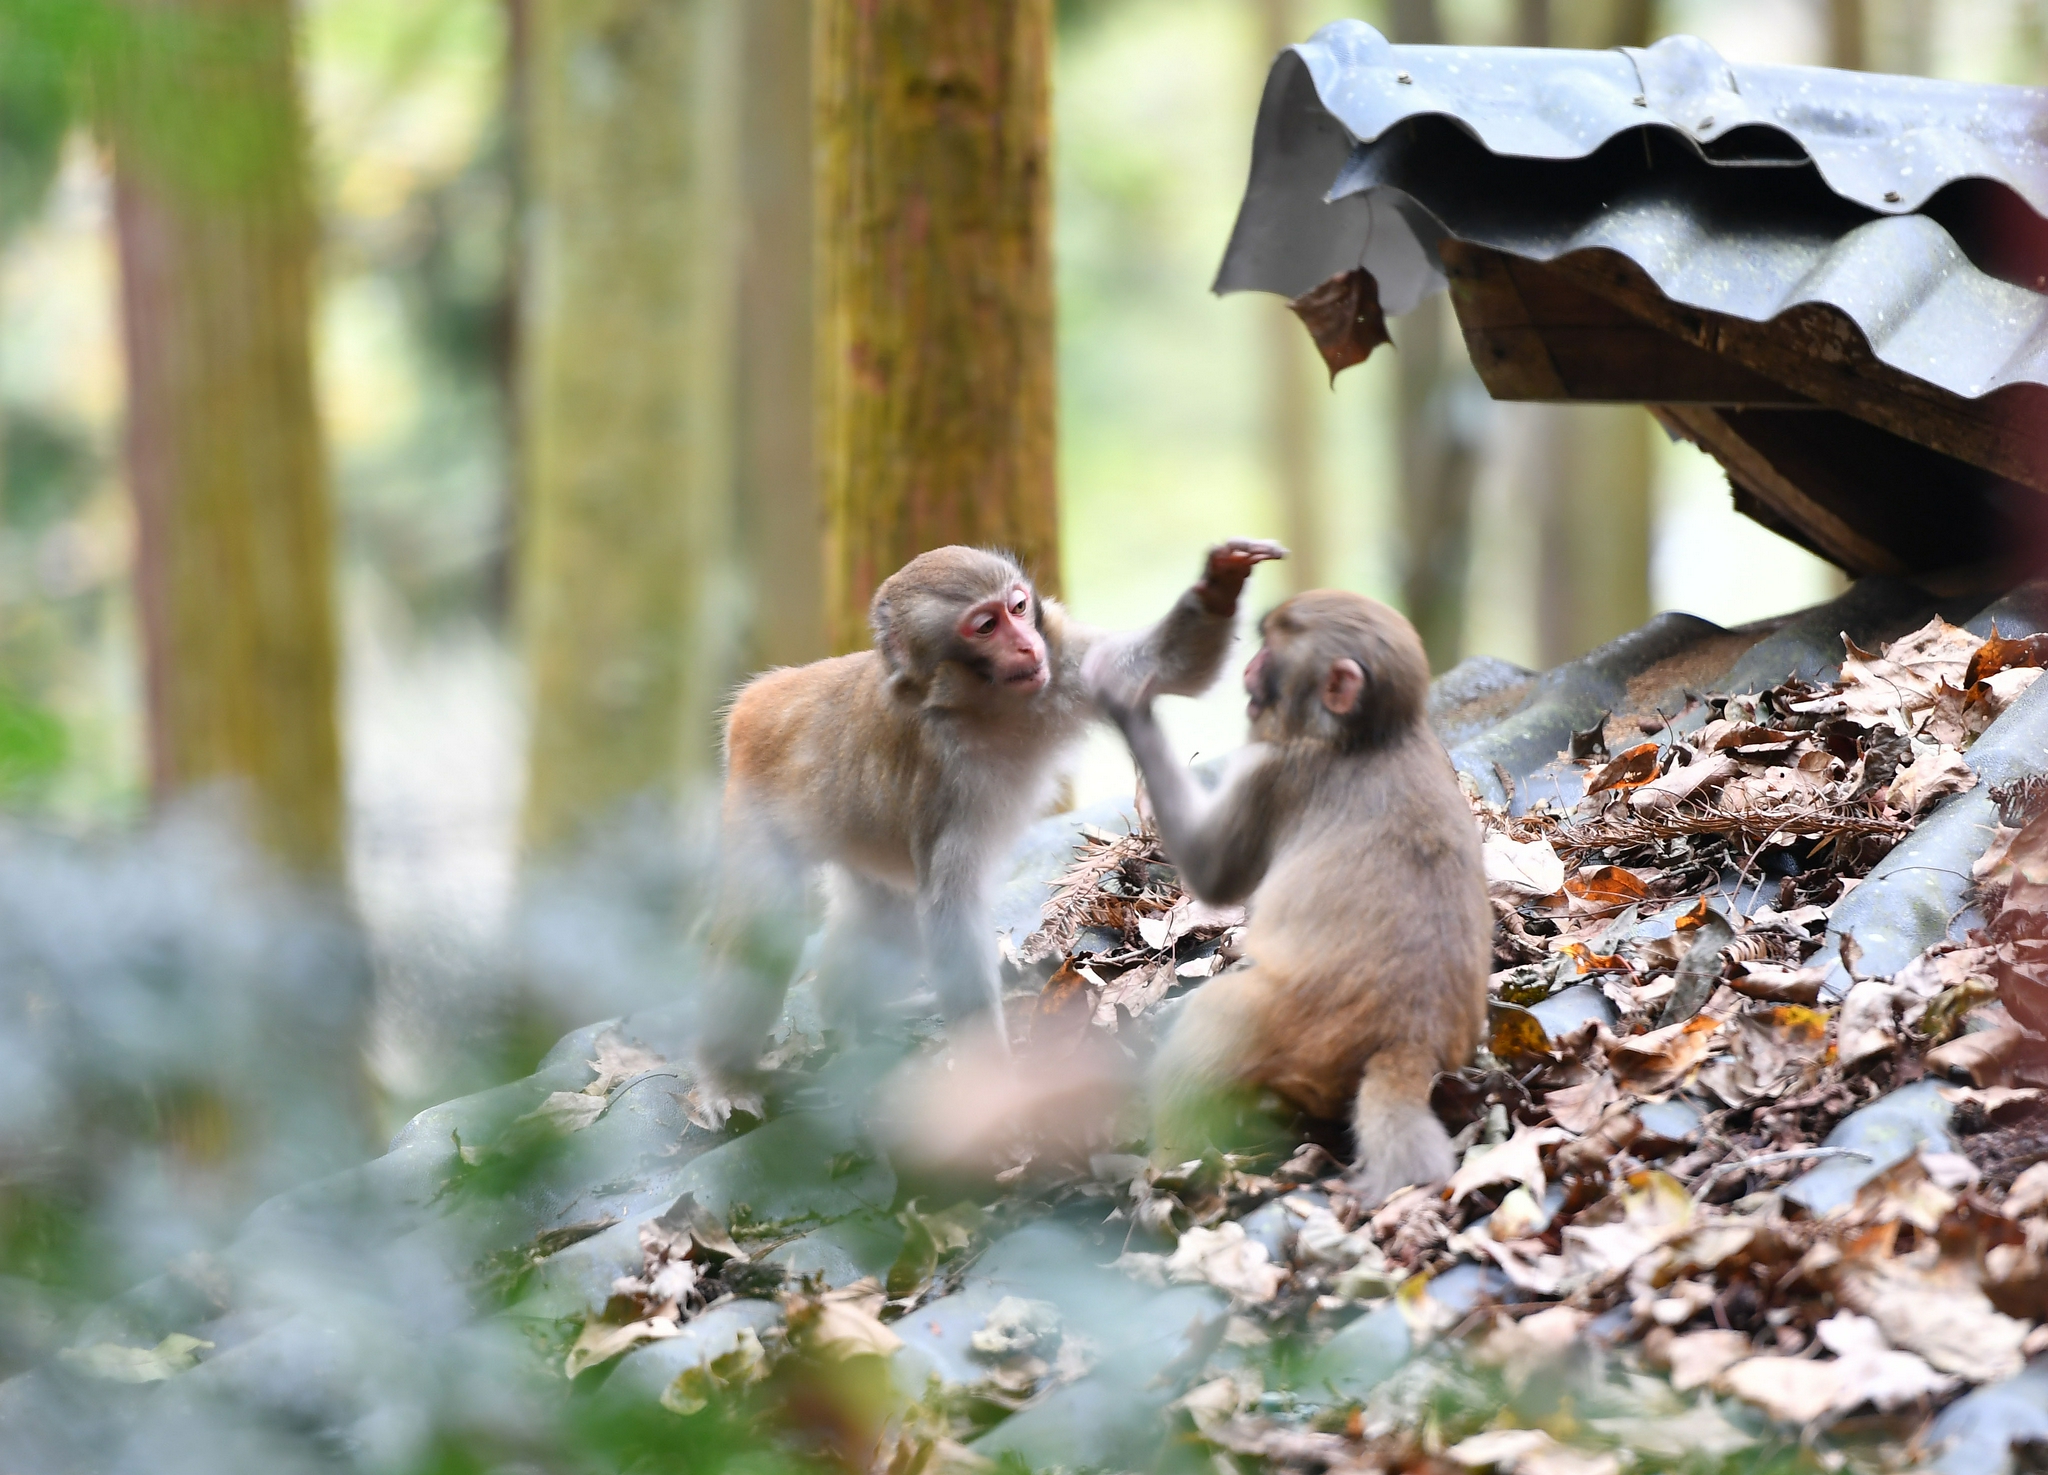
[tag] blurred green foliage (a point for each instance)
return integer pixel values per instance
(32, 746)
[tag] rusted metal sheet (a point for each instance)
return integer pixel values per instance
(1857, 264)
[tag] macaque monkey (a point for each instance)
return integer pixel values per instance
(1369, 928)
(909, 771)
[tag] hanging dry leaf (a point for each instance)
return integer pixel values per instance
(1343, 316)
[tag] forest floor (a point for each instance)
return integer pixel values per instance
(1725, 1199)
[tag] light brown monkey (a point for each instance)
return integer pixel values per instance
(1369, 928)
(909, 771)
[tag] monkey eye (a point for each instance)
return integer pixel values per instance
(985, 625)
(1019, 602)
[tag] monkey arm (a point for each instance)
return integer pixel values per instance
(1184, 653)
(1222, 841)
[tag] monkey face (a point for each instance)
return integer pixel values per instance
(1003, 641)
(1261, 683)
(1335, 666)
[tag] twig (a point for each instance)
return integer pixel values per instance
(1707, 1178)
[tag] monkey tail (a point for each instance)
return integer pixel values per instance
(1398, 1139)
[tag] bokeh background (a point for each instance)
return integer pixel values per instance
(1183, 418)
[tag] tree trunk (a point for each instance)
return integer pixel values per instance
(1438, 457)
(625, 337)
(782, 525)
(1439, 463)
(1848, 37)
(1589, 482)
(1294, 394)
(216, 242)
(935, 363)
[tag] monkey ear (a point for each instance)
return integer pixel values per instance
(881, 620)
(1343, 686)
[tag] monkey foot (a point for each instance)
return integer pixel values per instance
(710, 1104)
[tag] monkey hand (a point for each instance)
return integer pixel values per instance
(712, 1100)
(1229, 565)
(1119, 688)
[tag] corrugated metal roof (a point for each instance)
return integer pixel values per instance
(1912, 207)
(1887, 142)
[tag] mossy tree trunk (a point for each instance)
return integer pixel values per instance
(781, 520)
(216, 240)
(935, 365)
(625, 336)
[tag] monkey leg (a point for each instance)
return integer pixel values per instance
(1204, 1075)
(868, 956)
(1398, 1139)
(757, 931)
(959, 942)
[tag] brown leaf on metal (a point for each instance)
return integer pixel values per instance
(1999, 654)
(1343, 316)
(1637, 765)
(1516, 1037)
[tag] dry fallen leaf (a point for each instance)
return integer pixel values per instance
(1936, 772)
(1890, 689)
(1649, 1063)
(1696, 780)
(567, 1111)
(1700, 1357)
(1528, 868)
(842, 1323)
(1627, 769)
(1224, 1258)
(1864, 1370)
(1579, 1108)
(618, 1061)
(1930, 1304)
(111, 1362)
(2028, 1194)
(1517, 1160)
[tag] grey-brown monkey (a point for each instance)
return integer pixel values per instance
(1369, 929)
(909, 771)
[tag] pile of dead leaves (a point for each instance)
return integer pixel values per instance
(1123, 931)
(1625, 1166)
(1635, 1264)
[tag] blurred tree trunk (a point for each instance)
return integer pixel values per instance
(781, 521)
(624, 339)
(935, 362)
(1294, 421)
(1848, 35)
(1590, 488)
(216, 241)
(1438, 458)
